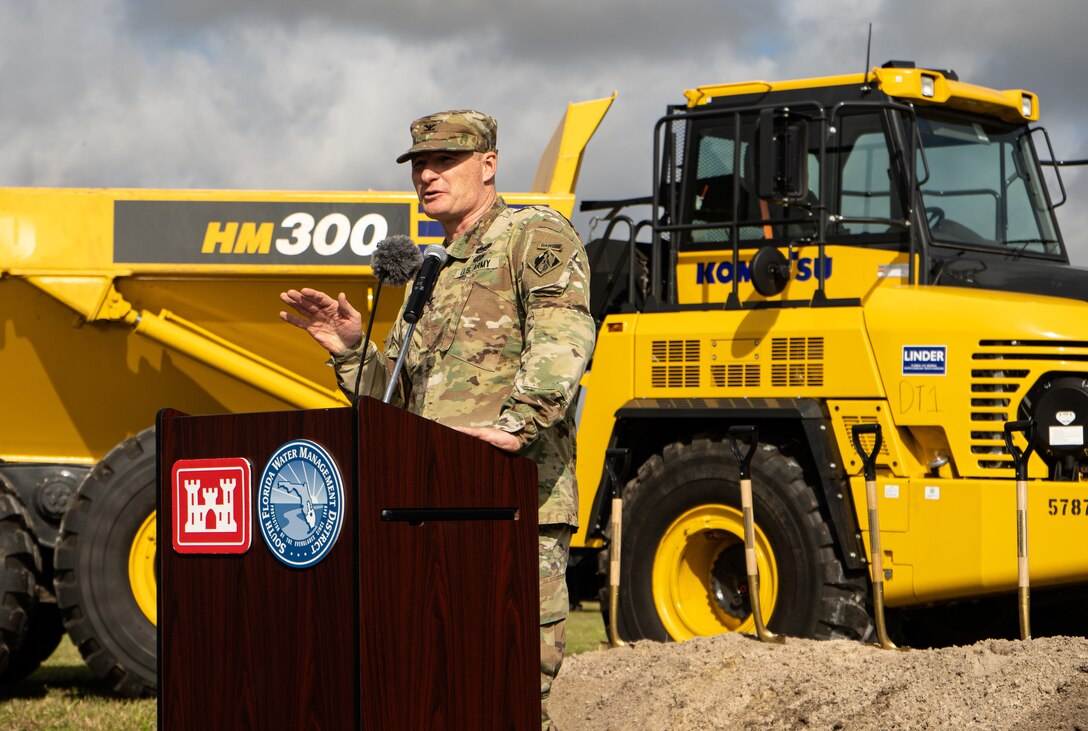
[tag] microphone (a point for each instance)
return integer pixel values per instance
(395, 260)
(434, 256)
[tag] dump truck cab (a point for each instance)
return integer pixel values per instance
(878, 248)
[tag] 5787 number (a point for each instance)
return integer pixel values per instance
(1066, 506)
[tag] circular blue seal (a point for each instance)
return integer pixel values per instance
(300, 503)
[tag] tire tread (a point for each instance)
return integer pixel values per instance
(78, 611)
(841, 609)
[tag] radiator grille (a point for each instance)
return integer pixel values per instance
(993, 402)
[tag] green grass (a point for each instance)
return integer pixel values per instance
(585, 629)
(64, 694)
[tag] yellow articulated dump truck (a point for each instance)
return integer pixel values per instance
(878, 251)
(116, 303)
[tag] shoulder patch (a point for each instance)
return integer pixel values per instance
(544, 258)
(547, 255)
(547, 245)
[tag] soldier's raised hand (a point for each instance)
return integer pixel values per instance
(333, 323)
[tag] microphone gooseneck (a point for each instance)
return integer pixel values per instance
(434, 257)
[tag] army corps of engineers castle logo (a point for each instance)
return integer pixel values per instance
(300, 503)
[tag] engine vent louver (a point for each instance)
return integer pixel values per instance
(797, 362)
(866, 439)
(735, 375)
(675, 364)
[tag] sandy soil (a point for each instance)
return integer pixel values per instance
(734, 681)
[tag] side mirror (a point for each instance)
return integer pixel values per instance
(770, 271)
(782, 176)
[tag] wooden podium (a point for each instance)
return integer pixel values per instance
(422, 612)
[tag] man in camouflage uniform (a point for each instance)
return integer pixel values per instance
(499, 349)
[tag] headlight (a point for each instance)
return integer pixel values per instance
(1025, 105)
(927, 86)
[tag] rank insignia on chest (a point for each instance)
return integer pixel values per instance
(544, 261)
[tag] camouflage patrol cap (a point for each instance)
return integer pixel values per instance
(458, 130)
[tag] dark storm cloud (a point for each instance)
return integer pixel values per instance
(558, 32)
(283, 94)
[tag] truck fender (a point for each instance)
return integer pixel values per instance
(641, 423)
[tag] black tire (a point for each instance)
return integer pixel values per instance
(116, 639)
(42, 629)
(682, 516)
(20, 563)
(46, 632)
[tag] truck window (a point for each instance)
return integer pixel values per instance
(712, 193)
(984, 187)
(710, 197)
(866, 183)
(867, 187)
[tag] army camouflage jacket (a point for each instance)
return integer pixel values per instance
(502, 343)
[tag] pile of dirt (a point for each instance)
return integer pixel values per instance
(734, 681)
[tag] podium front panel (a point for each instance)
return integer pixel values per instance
(449, 593)
(423, 614)
(246, 641)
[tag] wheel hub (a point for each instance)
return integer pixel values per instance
(700, 585)
(141, 569)
(729, 582)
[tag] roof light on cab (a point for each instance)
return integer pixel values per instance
(1025, 105)
(928, 83)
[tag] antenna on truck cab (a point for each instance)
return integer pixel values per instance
(865, 88)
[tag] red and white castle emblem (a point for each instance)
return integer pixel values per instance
(211, 508)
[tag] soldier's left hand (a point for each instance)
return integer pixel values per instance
(495, 437)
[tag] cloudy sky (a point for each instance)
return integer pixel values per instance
(318, 94)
